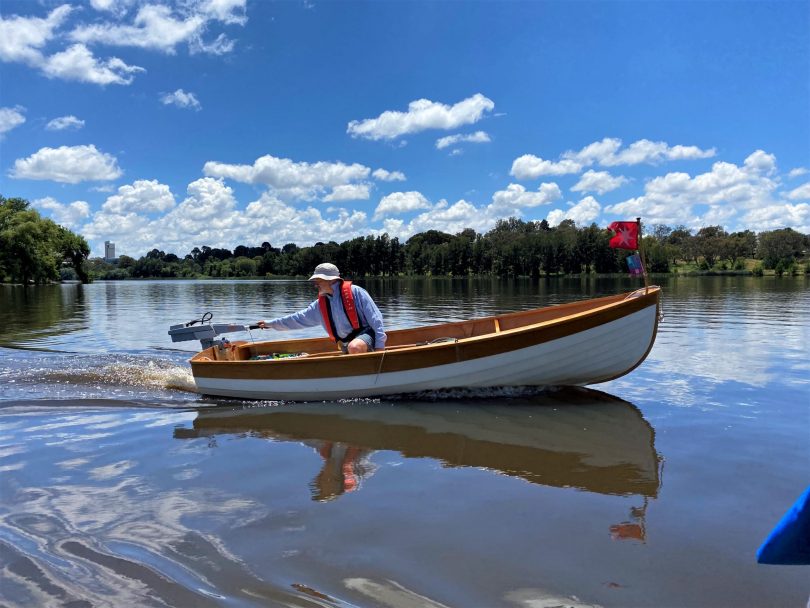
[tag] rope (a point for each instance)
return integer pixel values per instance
(379, 367)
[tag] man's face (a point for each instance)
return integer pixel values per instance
(324, 287)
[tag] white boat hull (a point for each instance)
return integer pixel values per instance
(594, 355)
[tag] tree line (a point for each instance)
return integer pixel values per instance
(34, 249)
(512, 248)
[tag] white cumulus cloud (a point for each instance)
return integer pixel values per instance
(422, 114)
(289, 178)
(158, 27)
(131, 231)
(181, 99)
(142, 196)
(530, 166)
(388, 176)
(228, 11)
(582, 213)
(78, 63)
(118, 7)
(65, 215)
(348, 192)
(509, 202)
(727, 190)
(607, 152)
(22, 38)
(207, 198)
(761, 162)
(211, 215)
(400, 202)
(280, 223)
(479, 137)
(774, 217)
(64, 122)
(447, 218)
(464, 214)
(453, 218)
(596, 152)
(802, 193)
(11, 118)
(67, 164)
(154, 27)
(206, 216)
(599, 182)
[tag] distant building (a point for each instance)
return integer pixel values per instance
(109, 251)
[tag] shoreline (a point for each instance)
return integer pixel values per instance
(689, 273)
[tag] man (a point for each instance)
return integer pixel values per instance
(346, 311)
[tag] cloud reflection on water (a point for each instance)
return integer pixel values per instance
(101, 521)
(63, 541)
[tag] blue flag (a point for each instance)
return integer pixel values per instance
(634, 265)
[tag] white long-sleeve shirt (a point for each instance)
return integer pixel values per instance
(367, 313)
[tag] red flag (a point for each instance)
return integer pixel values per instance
(628, 531)
(626, 235)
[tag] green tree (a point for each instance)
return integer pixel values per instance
(244, 267)
(589, 242)
(709, 242)
(73, 249)
(511, 247)
(419, 250)
(33, 249)
(566, 234)
(737, 246)
(459, 253)
(683, 243)
(783, 245)
(661, 232)
(657, 254)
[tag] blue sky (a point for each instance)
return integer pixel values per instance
(175, 124)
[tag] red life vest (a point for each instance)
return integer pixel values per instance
(348, 306)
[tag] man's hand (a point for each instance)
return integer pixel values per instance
(262, 324)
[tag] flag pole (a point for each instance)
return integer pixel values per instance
(643, 261)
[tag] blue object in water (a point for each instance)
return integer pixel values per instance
(789, 542)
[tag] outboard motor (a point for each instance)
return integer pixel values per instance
(206, 332)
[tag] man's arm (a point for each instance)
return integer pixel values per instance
(309, 317)
(372, 314)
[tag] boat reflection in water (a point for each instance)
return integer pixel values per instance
(571, 438)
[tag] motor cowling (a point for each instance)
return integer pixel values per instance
(205, 333)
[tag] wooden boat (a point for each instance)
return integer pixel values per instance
(574, 344)
(568, 438)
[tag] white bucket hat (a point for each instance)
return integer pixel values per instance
(327, 272)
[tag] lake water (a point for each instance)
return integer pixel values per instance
(122, 487)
